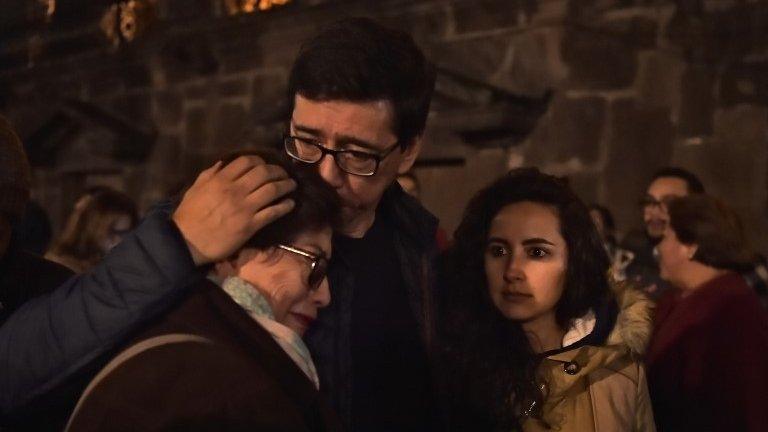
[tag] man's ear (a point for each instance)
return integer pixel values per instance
(409, 155)
(690, 250)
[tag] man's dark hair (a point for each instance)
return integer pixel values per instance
(691, 180)
(487, 374)
(359, 60)
(707, 222)
(316, 203)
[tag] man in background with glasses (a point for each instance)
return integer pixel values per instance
(360, 98)
(666, 184)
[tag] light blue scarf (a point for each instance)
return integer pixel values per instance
(250, 299)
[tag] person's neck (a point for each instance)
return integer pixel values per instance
(543, 333)
(696, 276)
(356, 222)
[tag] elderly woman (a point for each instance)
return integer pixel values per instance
(537, 338)
(708, 358)
(230, 356)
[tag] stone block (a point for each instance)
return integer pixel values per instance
(598, 61)
(235, 87)
(240, 63)
(197, 130)
(231, 121)
(482, 15)
(732, 162)
(573, 128)
(269, 102)
(586, 185)
(476, 58)
(636, 32)
(136, 76)
(641, 141)
(526, 69)
(425, 24)
(660, 79)
(712, 34)
(185, 57)
(186, 9)
(169, 108)
(744, 83)
(697, 102)
(162, 168)
(134, 107)
(101, 83)
(199, 90)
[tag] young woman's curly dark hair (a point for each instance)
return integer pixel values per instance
(489, 367)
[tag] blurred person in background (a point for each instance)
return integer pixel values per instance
(667, 183)
(23, 275)
(606, 228)
(97, 223)
(708, 357)
(620, 258)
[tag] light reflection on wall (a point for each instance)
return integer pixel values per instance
(237, 7)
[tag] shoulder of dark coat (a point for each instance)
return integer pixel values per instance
(409, 216)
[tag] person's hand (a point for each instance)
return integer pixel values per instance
(226, 206)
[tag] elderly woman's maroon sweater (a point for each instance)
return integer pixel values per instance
(708, 359)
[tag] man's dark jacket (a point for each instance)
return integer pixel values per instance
(63, 334)
(329, 339)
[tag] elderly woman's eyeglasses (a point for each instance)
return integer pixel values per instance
(318, 265)
(354, 162)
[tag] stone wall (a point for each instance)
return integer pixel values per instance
(632, 85)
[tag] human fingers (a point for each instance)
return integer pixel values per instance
(271, 213)
(240, 166)
(269, 193)
(259, 176)
(209, 172)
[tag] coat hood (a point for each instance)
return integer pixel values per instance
(634, 322)
(612, 339)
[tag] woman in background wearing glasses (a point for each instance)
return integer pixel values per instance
(230, 356)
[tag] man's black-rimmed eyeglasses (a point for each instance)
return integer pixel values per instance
(318, 265)
(353, 162)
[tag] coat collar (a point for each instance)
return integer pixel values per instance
(623, 321)
(257, 342)
(413, 223)
(409, 216)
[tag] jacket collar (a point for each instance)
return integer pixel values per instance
(411, 220)
(260, 344)
(409, 216)
(623, 321)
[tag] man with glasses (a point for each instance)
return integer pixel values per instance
(360, 97)
(666, 184)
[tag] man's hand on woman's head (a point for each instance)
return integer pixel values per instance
(226, 206)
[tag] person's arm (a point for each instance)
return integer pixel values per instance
(55, 335)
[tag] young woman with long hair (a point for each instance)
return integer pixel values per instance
(536, 335)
